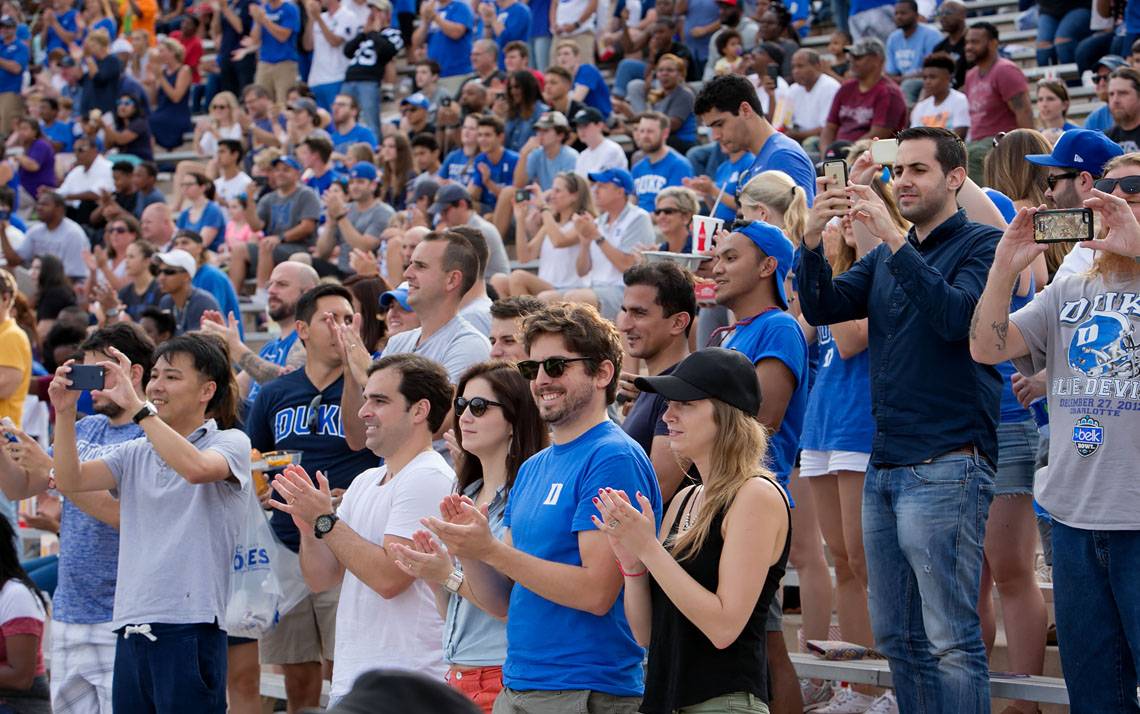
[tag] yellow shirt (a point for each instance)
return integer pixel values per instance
(16, 352)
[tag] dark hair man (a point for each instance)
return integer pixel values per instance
(998, 92)
(1124, 104)
(943, 106)
(507, 316)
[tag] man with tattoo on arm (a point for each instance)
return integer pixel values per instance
(929, 486)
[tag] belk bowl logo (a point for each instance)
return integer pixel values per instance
(1088, 435)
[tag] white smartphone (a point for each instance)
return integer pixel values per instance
(884, 151)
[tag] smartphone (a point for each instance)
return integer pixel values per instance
(1065, 225)
(522, 195)
(773, 71)
(836, 170)
(86, 377)
(884, 151)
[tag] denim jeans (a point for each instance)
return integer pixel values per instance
(923, 529)
(1096, 594)
(627, 70)
(1092, 48)
(540, 52)
(367, 96)
(1072, 27)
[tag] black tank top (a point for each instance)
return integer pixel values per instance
(684, 666)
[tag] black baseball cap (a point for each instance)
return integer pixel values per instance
(713, 373)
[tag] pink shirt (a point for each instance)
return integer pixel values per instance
(855, 112)
(989, 97)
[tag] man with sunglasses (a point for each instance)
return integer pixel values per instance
(301, 411)
(184, 301)
(1101, 119)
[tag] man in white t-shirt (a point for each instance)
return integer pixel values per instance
(943, 106)
(601, 153)
(810, 97)
(330, 30)
(385, 618)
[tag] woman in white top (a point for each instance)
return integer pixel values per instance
(222, 123)
(551, 237)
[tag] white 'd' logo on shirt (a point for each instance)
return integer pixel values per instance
(552, 497)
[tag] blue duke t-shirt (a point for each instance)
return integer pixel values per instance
(728, 175)
(780, 152)
(649, 178)
(776, 335)
(280, 419)
(453, 56)
(272, 50)
(551, 647)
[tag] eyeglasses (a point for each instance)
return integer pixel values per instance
(1129, 185)
(1054, 179)
(478, 406)
(170, 271)
(119, 229)
(1098, 78)
(314, 408)
(666, 211)
(555, 366)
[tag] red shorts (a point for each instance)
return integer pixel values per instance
(479, 684)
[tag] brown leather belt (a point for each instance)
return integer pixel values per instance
(967, 450)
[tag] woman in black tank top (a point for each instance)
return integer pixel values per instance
(697, 593)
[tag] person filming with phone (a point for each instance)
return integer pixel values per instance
(1081, 330)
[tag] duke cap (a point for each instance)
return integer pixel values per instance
(552, 120)
(448, 195)
(713, 373)
(868, 46)
(1082, 149)
(179, 259)
(618, 177)
(773, 243)
(363, 170)
(588, 115)
(399, 294)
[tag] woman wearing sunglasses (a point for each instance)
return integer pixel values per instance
(694, 595)
(673, 216)
(498, 428)
(130, 132)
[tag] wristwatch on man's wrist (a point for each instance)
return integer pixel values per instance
(324, 524)
(148, 410)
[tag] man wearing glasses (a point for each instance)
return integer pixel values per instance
(301, 411)
(184, 301)
(1101, 119)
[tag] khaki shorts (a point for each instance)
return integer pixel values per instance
(277, 77)
(11, 107)
(305, 633)
(512, 701)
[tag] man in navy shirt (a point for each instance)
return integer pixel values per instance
(301, 411)
(569, 646)
(729, 106)
(13, 62)
(928, 489)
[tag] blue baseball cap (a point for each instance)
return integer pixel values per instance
(1082, 149)
(363, 170)
(618, 177)
(288, 161)
(400, 295)
(417, 100)
(773, 243)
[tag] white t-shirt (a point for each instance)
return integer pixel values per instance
(950, 114)
(570, 11)
(229, 189)
(765, 101)
(208, 144)
(606, 155)
(96, 179)
(557, 265)
(17, 602)
(632, 228)
(329, 63)
(810, 106)
(404, 632)
(1079, 260)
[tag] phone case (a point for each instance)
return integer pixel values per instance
(1063, 226)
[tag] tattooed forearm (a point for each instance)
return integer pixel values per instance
(258, 369)
(975, 320)
(1001, 331)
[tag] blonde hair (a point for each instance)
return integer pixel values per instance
(175, 47)
(777, 191)
(740, 446)
(1108, 263)
(229, 99)
(576, 185)
(686, 198)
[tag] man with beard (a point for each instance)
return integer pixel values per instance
(355, 226)
(287, 283)
(83, 644)
(1081, 330)
(930, 482)
(569, 646)
(998, 94)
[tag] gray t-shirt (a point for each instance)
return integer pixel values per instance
(189, 317)
(497, 260)
(67, 242)
(678, 103)
(457, 345)
(177, 539)
(1083, 333)
(280, 213)
(478, 313)
(371, 222)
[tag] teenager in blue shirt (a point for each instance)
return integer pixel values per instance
(209, 278)
(504, 21)
(589, 85)
(661, 166)
(495, 165)
(449, 30)
(276, 25)
(459, 165)
(60, 134)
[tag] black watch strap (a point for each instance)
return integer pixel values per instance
(324, 524)
(147, 410)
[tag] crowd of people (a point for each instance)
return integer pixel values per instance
(577, 347)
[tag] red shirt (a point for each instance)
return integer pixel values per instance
(193, 48)
(854, 112)
(989, 96)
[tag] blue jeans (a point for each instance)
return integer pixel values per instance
(183, 670)
(840, 9)
(627, 71)
(923, 529)
(1062, 34)
(367, 96)
(1122, 44)
(1096, 594)
(1092, 48)
(539, 53)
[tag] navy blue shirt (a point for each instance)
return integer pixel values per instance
(280, 420)
(928, 396)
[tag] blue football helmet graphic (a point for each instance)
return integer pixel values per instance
(1105, 346)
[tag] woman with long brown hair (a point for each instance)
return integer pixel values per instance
(498, 428)
(366, 292)
(1024, 183)
(396, 162)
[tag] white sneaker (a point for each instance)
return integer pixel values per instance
(815, 695)
(886, 704)
(847, 701)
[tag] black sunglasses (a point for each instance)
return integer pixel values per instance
(1129, 185)
(478, 405)
(1054, 179)
(1098, 78)
(314, 407)
(666, 211)
(171, 271)
(555, 366)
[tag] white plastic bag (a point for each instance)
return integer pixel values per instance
(256, 594)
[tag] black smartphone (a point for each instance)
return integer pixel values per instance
(85, 377)
(1064, 225)
(773, 71)
(522, 195)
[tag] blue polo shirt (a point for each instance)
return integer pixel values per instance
(649, 178)
(453, 56)
(599, 96)
(14, 51)
(502, 173)
(928, 396)
(272, 50)
(782, 153)
(357, 134)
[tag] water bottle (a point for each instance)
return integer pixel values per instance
(1039, 408)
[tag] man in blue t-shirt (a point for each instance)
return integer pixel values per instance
(589, 85)
(276, 25)
(507, 23)
(83, 643)
(907, 47)
(301, 411)
(345, 130)
(448, 28)
(494, 166)
(662, 166)
(60, 26)
(13, 63)
(553, 575)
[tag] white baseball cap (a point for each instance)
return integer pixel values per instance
(178, 258)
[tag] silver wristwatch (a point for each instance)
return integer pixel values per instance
(454, 582)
